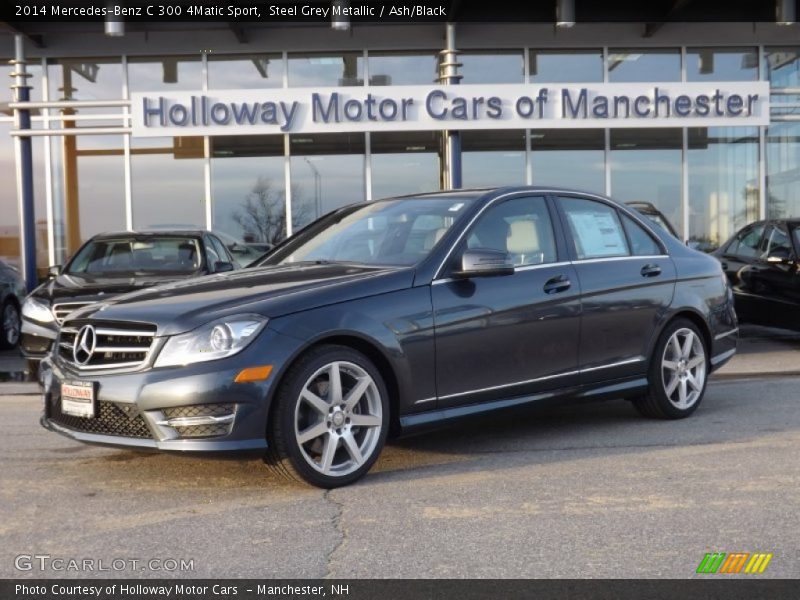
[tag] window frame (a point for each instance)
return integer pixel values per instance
(766, 239)
(454, 254)
(570, 241)
(743, 232)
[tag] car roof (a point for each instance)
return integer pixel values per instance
(150, 233)
(494, 191)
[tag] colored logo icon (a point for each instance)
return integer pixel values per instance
(735, 562)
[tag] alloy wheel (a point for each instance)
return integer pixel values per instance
(683, 367)
(338, 418)
(11, 325)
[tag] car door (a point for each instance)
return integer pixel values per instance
(627, 281)
(508, 335)
(738, 259)
(774, 280)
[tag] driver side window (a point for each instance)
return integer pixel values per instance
(521, 227)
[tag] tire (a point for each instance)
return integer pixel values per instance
(10, 324)
(323, 437)
(678, 373)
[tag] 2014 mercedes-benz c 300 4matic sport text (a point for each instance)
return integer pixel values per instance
(391, 315)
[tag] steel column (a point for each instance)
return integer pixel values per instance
(24, 150)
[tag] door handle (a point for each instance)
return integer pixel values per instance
(557, 284)
(651, 271)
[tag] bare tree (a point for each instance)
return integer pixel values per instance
(262, 216)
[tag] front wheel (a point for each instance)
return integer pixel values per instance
(678, 373)
(331, 418)
(10, 325)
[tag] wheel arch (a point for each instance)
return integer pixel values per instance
(696, 318)
(369, 349)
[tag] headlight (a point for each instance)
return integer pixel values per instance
(35, 310)
(212, 341)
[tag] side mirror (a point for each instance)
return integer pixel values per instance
(221, 266)
(484, 262)
(53, 271)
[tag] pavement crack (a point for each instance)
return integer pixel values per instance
(336, 523)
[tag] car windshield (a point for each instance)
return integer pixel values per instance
(150, 255)
(398, 232)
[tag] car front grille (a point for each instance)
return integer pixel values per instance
(117, 345)
(60, 311)
(109, 420)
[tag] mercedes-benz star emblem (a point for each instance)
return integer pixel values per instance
(83, 347)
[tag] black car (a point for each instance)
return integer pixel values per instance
(393, 315)
(12, 293)
(110, 264)
(650, 211)
(761, 262)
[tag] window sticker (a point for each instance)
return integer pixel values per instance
(598, 234)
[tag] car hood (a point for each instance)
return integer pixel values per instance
(88, 288)
(269, 291)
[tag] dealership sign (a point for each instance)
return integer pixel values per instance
(406, 108)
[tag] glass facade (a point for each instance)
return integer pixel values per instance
(646, 166)
(707, 181)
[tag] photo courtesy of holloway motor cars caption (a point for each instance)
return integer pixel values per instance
(446, 299)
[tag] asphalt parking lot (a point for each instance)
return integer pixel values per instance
(578, 491)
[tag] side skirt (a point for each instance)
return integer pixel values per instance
(614, 389)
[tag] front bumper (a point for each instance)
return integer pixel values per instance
(135, 409)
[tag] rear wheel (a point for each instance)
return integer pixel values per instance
(331, 418)
(678, 373)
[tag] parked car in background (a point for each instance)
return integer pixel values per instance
(651, 212)
(761, 262)
(393, 315)
(243, 253)
(12, 295)
(111, 264)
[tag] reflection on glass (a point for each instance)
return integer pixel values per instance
(327, 173)
(723, 182)
(494, 67)
(89, 187)
(165, 73)
(569, 158)
(86, 79)
(566, 66)
(783, 66)
(391, 68)
(168, 188)
(783, 170)
(248, 190)
(405, 163)
(646, 167)
(345, 68)
(245, 71)
(493, 157)
(644, 64)
(721, 64)
(9, 211)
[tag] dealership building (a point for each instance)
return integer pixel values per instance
(256, 129)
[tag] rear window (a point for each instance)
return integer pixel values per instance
(149, 255)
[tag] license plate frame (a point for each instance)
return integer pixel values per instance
(78, 399)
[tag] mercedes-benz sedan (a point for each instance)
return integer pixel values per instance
(397, 314)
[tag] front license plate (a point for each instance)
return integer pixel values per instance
(77, 399)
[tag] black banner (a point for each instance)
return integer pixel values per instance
(380, 11)
(255, 589)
